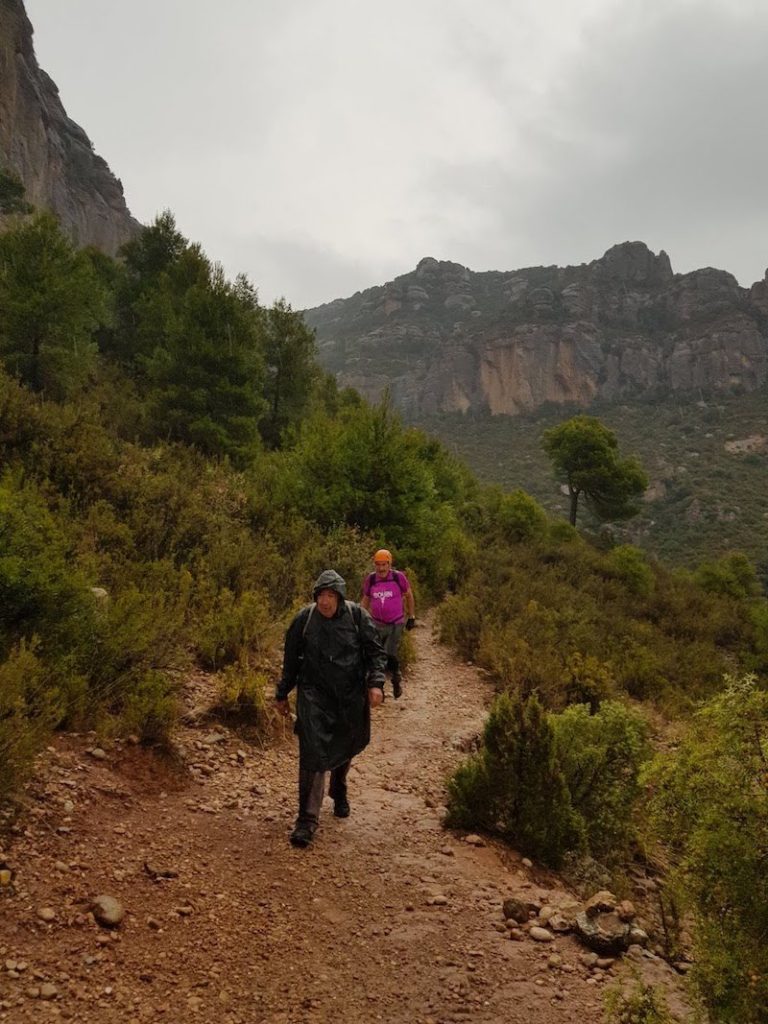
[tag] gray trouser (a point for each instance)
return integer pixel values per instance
(389, 634)
(312, 791)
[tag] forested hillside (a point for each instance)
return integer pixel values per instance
(176, 469)
(707, 461)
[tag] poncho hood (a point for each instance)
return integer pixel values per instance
(330, 580)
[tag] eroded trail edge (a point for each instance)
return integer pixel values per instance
(386, 917)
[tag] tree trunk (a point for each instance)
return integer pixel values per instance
(574, 504)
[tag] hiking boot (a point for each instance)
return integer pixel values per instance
(302, 835)
(341, 807)
(397, 689)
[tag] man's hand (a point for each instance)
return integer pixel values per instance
(375, 696)
(410, 623)
(282, 707)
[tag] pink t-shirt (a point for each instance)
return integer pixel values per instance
(386, 596)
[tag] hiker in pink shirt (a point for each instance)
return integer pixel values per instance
(387, 595)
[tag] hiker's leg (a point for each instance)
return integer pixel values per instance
(311, 792)
(338, 786)
(392, 648)
(338, 790)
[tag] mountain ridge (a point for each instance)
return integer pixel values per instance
(443, 338)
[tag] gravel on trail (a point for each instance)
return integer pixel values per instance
(386, 917)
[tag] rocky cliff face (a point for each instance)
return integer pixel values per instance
(52, 155)
(445, 339)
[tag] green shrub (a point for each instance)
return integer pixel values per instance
(710, 809)
(232, 627)
(631, 567)
(587, 680)
(29, 709)
(150, 709)
(40, 592)
(520, 518)
(643, 1005)
(600, 756)
(514, 786)
(243, 695)
(460, 620)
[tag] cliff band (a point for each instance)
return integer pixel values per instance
(445, 339)
(52, 155)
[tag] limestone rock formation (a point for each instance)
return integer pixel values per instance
(445, 339)
(48, 152)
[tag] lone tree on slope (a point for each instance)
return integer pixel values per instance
(585, 453)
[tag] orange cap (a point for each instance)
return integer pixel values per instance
(383, 555)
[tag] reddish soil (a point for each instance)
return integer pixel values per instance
(386, 917)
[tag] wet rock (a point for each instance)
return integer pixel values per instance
(601, 902)
(603, 932)
(108, 911)
(637, 937)
(517, 909)
(155, 871)
(626, 910)
(558, 922)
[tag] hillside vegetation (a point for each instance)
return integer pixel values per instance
(707, 461)
(175, 470)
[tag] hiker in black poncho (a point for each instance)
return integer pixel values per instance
(334, 657)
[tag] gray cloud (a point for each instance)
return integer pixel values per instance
(326, 145)
(654, 131)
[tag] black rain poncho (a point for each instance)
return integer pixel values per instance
(333, 662)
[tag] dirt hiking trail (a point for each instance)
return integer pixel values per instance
(386, 917)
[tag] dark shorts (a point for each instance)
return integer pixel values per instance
(390, 633)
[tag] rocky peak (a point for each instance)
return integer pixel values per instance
(445, 339)
(51, 155)
(634, 262)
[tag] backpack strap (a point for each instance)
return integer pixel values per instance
(397, 576)
(306, 621)
(350, 605)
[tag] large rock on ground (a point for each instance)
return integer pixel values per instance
(603, 932)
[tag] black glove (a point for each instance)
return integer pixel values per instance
(410, 623)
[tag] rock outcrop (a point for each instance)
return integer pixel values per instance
(445, 339)
(48, 152)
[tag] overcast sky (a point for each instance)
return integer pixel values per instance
(324, 146)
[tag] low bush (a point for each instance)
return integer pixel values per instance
(553, 783)
(243, 695)
(514, 786)
(150, 709)
(710, 810)
(29, 709)
(601, 756)
(643, 1004)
